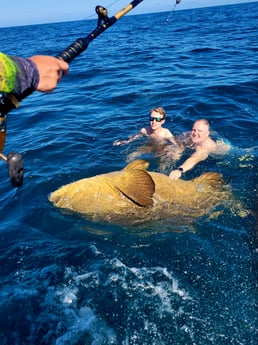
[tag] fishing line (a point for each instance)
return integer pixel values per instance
(113, 3)
(172, 11)
(94, 14)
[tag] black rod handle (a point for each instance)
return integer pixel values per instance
(81, 44)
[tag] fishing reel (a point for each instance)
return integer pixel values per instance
(102, 15)
(13, 159)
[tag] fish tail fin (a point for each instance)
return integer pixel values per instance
(212, 179)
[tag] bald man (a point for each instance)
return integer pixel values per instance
(199, 140)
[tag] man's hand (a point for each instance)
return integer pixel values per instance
(51, 70)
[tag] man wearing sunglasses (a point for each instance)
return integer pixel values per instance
(161, 142)
(154, 130)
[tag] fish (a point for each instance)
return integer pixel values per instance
(134, 196)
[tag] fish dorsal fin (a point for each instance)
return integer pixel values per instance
(136, 184)
(139, 164)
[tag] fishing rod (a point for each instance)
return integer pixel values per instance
(11, 101)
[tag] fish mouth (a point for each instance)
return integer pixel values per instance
(54, 199)
(60, 201)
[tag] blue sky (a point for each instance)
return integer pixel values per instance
(18, 12)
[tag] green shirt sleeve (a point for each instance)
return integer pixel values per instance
(8, 73)
(17, 74)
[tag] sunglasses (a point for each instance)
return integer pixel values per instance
(157, 119)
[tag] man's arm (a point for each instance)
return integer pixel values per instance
(194, 159)
(129, 140)
(41, 73)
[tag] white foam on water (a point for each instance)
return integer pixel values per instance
(68, 295)
(150, 293)
(84, 323)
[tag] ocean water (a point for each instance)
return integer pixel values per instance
(66, 280)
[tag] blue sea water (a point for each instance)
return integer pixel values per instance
(66, 280)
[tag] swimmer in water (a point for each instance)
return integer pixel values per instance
(159, 137)
(199, 140)
(154, 131)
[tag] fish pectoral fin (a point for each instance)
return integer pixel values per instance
(136, 185)
(139, 164)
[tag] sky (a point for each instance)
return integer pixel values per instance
(27, 12)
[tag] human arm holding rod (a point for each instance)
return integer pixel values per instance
(21, 77)
(39, 72)
(16, 68)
